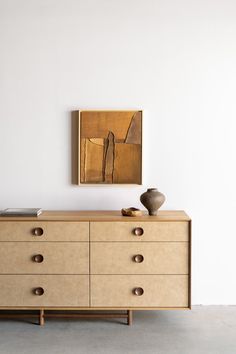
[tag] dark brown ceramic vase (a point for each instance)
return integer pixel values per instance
(152, 200)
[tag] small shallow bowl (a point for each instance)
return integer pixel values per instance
(131, 212)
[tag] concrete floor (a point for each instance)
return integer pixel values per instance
(208, 330)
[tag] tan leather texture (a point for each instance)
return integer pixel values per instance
(57, 258)
(52, 231)
(158, 290)
(125, 231)
(139, 258)
(59, 290)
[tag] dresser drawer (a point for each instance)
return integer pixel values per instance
(44, 231)
(139, 231)
(58, 290)
(139, 291)
(44, 258)
(139, 258)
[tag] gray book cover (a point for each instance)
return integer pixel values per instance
(21, 212)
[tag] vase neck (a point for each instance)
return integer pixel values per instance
(152, 190)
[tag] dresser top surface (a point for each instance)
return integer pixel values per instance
(100, 215)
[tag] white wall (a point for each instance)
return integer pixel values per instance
(174, 59)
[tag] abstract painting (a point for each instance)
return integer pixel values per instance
(110, 147)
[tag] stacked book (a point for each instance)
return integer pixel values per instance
(21, 212)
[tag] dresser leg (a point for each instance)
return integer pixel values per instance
(129, 317)
(41, 318)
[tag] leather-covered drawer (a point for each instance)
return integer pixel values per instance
(44, 258)
(44, 231)
(44, 290)
(159, 291)
(139, 258)
(139, 231)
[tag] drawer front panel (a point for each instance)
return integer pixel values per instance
(139, 231)
(139, 258)
(44, 258)
(59, 290)
(158, 291)
(44, 231)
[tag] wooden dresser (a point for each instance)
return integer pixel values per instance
(94, 260)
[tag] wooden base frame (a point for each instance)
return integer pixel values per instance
(43, 314)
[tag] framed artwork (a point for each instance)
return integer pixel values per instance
(110, 147)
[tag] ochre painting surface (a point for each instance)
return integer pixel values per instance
(110, 147)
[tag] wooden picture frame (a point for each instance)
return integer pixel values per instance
(110, 147)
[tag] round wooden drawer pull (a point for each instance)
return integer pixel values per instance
(38, 258)
(138, 291)
(138, 258)
(138, 231)
(39, 291)
(38, 231)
